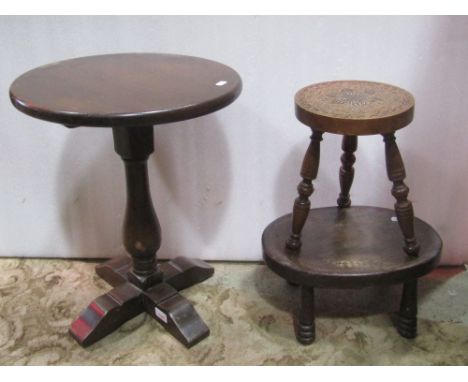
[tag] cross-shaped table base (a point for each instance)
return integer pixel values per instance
(162, 301)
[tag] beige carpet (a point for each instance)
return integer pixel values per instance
(248, 310)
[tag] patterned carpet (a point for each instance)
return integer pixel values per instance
(248, 310)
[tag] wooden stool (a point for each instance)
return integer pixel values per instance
(360, 246)
(131, 93)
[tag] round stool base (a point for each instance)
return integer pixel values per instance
(350, 248)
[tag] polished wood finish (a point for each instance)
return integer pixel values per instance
(354, 107)
(128, 89)
(106, 313)
(403, 207)
(349, 146)
(131, 93)
(305, 188)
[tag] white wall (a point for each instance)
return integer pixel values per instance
(217, 181)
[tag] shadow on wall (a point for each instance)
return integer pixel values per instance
(193, 163)
(91, 192)
(192, 181)
(437, 174)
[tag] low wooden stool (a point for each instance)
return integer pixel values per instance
(130, 93)
(342, 247)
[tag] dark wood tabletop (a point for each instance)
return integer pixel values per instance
(130, 89)
(354, 107)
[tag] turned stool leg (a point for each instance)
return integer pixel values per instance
(309, 172)
(407, 318)
(403, 207)
(349, 146)
(305, 330)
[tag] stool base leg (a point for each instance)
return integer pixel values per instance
(407, 318)
(162, 301)
(305, 320)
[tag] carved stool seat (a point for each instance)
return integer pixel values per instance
(342, 247)
(130, 93)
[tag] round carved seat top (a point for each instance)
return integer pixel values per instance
(129, 89)
(354, 107)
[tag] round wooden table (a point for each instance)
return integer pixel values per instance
(130, 93)
(343, 247)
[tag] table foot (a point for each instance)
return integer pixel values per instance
(115, 270)
(162, 301)
(183, 272)
(106, 313)
(175, 314)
